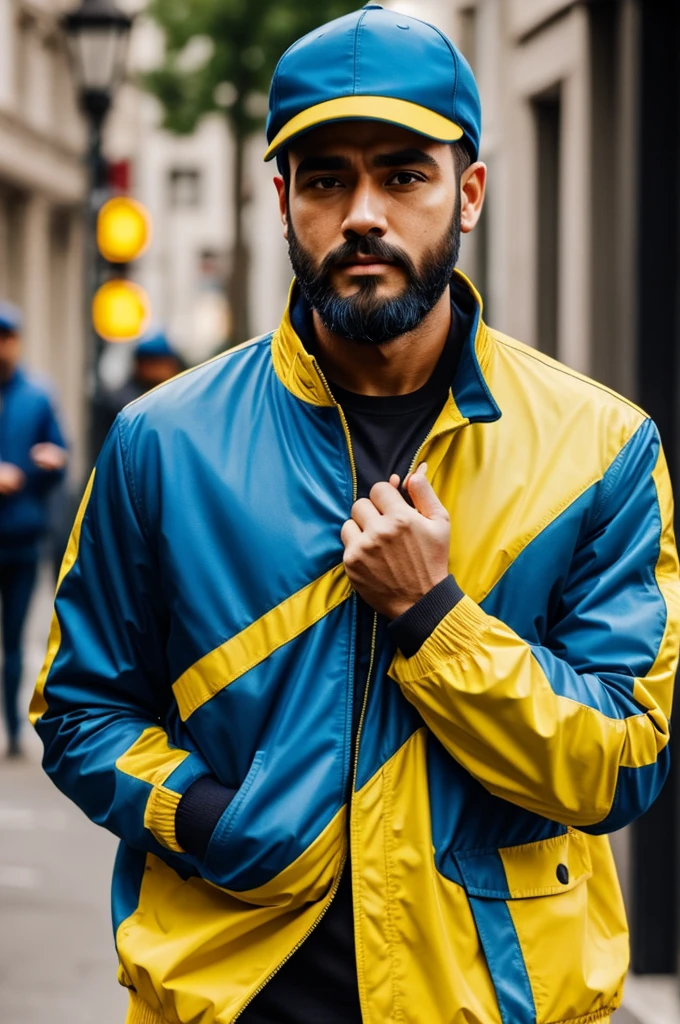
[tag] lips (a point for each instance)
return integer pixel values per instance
(366, 261)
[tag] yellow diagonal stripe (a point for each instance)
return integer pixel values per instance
(240, 653)
(38, 703)
(151, 758)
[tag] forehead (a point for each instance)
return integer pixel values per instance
(362, 139)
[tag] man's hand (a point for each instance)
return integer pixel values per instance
(48, 456)
(12, 479)
(395, 554)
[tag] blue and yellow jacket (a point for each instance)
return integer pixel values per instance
(204, 625)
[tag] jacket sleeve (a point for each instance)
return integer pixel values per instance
(577, 729)
(104, 689)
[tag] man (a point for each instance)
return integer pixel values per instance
(367, 630)
(153, 362)
(32, 460)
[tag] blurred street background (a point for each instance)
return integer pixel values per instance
(577, 253)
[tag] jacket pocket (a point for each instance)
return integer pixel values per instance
(219, 841)
(554, 936)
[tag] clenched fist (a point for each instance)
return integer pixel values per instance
(395, 554)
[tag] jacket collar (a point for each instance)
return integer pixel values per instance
(299, 371)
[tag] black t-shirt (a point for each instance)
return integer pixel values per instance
(318, 984)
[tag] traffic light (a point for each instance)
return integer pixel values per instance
(120, 309)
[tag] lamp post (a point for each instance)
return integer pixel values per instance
(98, 34)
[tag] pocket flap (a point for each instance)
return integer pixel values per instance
(544, 868)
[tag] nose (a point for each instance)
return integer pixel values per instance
(365, 213)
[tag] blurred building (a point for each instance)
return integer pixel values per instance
(42, 185)
(186, 183)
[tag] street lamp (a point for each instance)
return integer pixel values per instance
(98, 34)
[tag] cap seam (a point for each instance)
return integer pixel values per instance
(451, 50)
(356, 52)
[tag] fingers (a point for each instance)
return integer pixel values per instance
(387, 498)
(423, 496)
(364, 512)
(350, 532)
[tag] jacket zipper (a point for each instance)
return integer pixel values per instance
(336, 883)
(355, 904)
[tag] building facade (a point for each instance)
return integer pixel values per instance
(42, 188)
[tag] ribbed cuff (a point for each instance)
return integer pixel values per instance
(199, 810)
(458, 633)
(159, 817)
(410, 630)
(140, 1012)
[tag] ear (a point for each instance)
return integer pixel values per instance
(280, 186)
(472, 191)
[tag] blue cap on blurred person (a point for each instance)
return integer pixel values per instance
(153, 344)
(10, 318)
(375, 64)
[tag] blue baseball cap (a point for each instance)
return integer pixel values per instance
(153, 344)
(377, 65)
(10, 318)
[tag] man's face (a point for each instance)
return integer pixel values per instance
(373, 226)
(153, 370)
(10, 351)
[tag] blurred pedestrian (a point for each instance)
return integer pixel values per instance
(372, 626)
(32, 461)
(154, 360)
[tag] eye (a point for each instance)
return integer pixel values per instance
(326, 183)
(405, 178)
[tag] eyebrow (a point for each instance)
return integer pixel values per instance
(405, 156)
(312, 164)
(321, 163)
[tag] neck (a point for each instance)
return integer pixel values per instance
(6, 372)
(395, 368)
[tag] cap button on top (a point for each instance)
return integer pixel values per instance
(563, 874)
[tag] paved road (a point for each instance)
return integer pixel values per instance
(57, 962)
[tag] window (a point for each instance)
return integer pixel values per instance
(184, 187)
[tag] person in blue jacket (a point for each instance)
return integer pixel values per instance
(32, 460)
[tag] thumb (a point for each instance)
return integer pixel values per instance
(423, 496)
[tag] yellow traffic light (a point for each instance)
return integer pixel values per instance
(123, 229)
(120, 311)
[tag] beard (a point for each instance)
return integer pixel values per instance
(364, 316)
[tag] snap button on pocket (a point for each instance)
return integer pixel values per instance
(563, 874)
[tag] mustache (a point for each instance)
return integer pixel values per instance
(368, 245)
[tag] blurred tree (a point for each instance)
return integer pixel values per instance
(220, 56)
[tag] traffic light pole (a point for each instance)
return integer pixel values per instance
(95, 106)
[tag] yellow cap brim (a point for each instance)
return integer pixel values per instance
(368, 108)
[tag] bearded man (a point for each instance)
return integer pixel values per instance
(366, 633)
